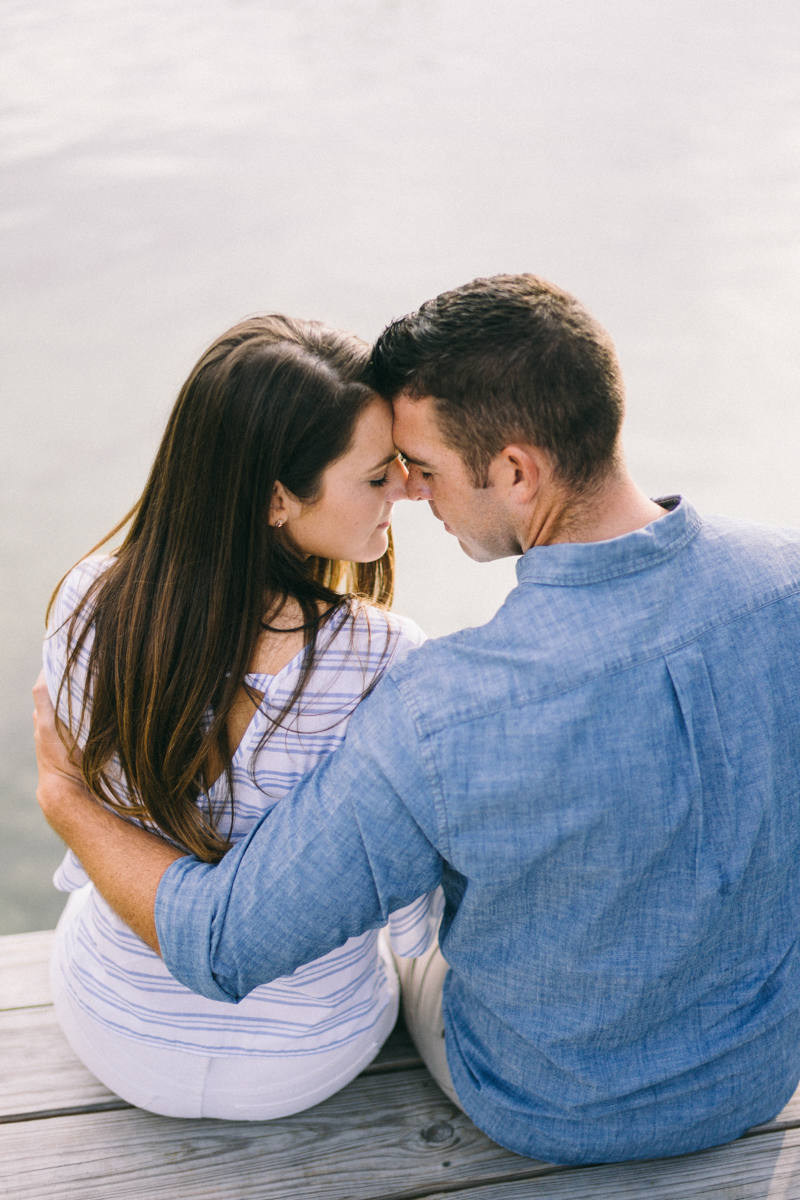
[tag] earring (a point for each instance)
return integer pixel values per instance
(277, 524)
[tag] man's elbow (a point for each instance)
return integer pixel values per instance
(213, 985)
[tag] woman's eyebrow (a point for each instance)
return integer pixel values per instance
(384, 462)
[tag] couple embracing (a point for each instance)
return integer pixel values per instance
(567, 839)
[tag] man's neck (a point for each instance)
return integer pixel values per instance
(611, 510)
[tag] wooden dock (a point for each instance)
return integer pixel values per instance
(389, 1135)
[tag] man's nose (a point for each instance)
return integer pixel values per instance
(417, 487)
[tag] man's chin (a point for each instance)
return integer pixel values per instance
(485, 554)
(478, 553)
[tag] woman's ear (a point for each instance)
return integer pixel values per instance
(282, 506)
(277, 507)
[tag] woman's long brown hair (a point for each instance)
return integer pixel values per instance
(176, 616)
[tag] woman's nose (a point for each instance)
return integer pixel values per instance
(398, 482)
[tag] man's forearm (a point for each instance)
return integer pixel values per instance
(125, 863)
(333, 859)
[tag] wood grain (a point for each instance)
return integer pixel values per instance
(766, 1167)
(383, 1135)
(133, 1156)
(24, 969)
(40, 1070)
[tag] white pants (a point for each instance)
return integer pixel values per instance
(175, 1083)
(421, 983)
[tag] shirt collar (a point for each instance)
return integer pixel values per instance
(570, 564)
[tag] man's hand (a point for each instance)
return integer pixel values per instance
(59, 779)
(125, 863)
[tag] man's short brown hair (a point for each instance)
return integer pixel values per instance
(510, 359)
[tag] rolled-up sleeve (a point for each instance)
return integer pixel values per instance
(351, 843)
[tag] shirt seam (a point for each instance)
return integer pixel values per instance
(664, 652)
(428, 761)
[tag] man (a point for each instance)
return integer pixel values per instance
(604, 778)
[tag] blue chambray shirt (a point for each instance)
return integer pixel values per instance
(605, 780)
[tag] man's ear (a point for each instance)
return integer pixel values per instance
(284, 506)
(519, 469)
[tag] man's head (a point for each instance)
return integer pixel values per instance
(511, 361)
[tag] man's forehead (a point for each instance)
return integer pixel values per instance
(415, 428)
(416, 414)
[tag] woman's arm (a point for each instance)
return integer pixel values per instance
(125, 863)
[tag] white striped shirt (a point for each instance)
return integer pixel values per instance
(116, 979)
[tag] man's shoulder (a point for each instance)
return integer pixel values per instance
(442, 653)
(761, 557)
(548, 640)
(443, 680)
(739, 531)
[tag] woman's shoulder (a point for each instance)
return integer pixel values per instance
(62, 632)
(83, 574)
(76, 584)
(384, 632)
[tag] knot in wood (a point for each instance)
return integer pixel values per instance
(440, 1132)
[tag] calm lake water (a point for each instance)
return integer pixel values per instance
(171, 166)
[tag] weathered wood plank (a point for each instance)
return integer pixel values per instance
(766, 1167)
(24, 969)
(787, 1118)
(332, 1154)
(384, 1135)
(138, 1157)
(41, 1073)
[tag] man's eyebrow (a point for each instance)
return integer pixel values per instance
(418, 462)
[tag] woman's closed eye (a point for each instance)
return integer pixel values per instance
(376, 483)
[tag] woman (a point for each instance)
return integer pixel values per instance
(201, 670)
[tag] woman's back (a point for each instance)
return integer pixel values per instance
(121, 984)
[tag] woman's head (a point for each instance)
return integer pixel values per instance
(350, 515)
(274, 415)
(274, 480)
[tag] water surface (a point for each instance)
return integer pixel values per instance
(170, 167)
